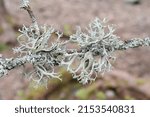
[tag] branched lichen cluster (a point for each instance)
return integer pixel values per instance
(97, 43)
(47, 55)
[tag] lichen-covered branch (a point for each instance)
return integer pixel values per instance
(134, 43)
(94, 55)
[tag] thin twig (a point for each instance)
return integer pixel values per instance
(31, 14)
(25, 6)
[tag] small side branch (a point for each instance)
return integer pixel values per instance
(30, 12)
(25, 6)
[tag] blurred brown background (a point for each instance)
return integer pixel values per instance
(130, 78)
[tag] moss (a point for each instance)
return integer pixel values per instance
(67, 29)
(101, 95)
(140, 81)
(82, 93)
(85, 93)
(9, 19)
(128, 97)
(20, 94)
(108, 83)
(1, 30)
(34, 93)
(3, 47)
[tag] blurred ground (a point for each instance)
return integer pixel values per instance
(130, 78)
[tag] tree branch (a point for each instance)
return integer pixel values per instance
(9, 64)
